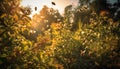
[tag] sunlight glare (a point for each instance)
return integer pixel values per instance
(60, 4)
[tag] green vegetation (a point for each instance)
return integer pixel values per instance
(87, 37)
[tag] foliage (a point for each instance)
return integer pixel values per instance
(13, 23)
(83, 48)
(92, 45)
(43, 20)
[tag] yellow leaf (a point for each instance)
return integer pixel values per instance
(26, 48)
(3, 15)
(15, 17)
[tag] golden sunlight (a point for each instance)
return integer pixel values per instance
(36, 5)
